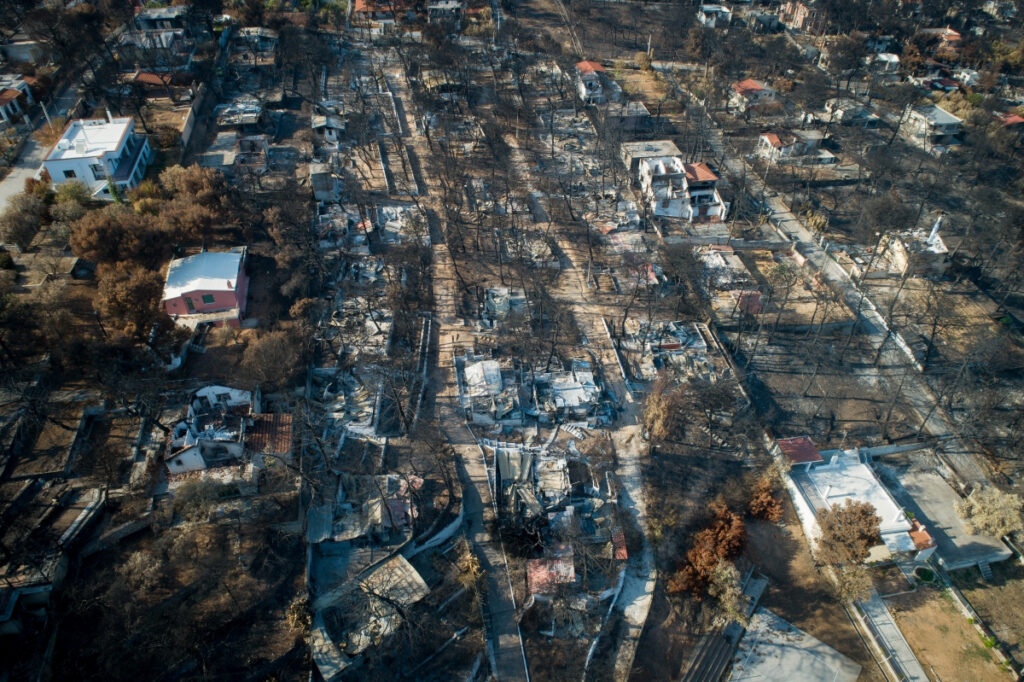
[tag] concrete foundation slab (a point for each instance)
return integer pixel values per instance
(931, 499)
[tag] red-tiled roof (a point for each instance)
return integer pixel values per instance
(1009, 119)
(8, 96)
(699, 172)
(922, 539)
(799, 450)
(773, 139)
(619, 551)
(148, 78)
(748, 300)
(745, 87)
(589, 67)
(381, 6)
(270, 434)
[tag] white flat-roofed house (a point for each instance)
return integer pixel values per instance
(447, 12)
(633, 152)
(99, 153)
(932, 128)
(803, 146)
(816, 484)
(681, 190)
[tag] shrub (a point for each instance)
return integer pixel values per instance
(764, 504)
(722, 539)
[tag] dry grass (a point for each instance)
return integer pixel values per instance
(991, 601)
(944, 641)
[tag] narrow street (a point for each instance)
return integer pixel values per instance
(505, 645)
(33, 153)
(590, 310)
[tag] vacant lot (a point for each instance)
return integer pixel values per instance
(800, 594)
(956, 314)
(845, 395)
(998, 602)
(944, 641)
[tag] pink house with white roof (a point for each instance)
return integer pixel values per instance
(209, 287)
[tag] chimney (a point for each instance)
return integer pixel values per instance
(110, 119)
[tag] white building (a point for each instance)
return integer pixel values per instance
(681, 190)
(212, 432)
(931, 127)
(850, 112)
(99, 153)
(920, 252)
(816, 484)
(633, 152)
(883, 62)
(749, 93)
(800, 145)
(593, 84)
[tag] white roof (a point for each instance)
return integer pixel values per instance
(85, 138)
(208, 271)
(847, 478)
(936, 115)
(664, 165)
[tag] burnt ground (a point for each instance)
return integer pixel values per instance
(681, 481)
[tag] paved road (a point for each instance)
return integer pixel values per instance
(888, 635)
(32, 154)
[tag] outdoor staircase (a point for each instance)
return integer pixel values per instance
(986, 571)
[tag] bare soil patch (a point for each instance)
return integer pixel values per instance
(945, 642)
(889, 580)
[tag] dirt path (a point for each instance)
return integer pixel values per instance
(589, 311)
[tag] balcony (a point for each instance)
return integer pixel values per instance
(126, 166)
